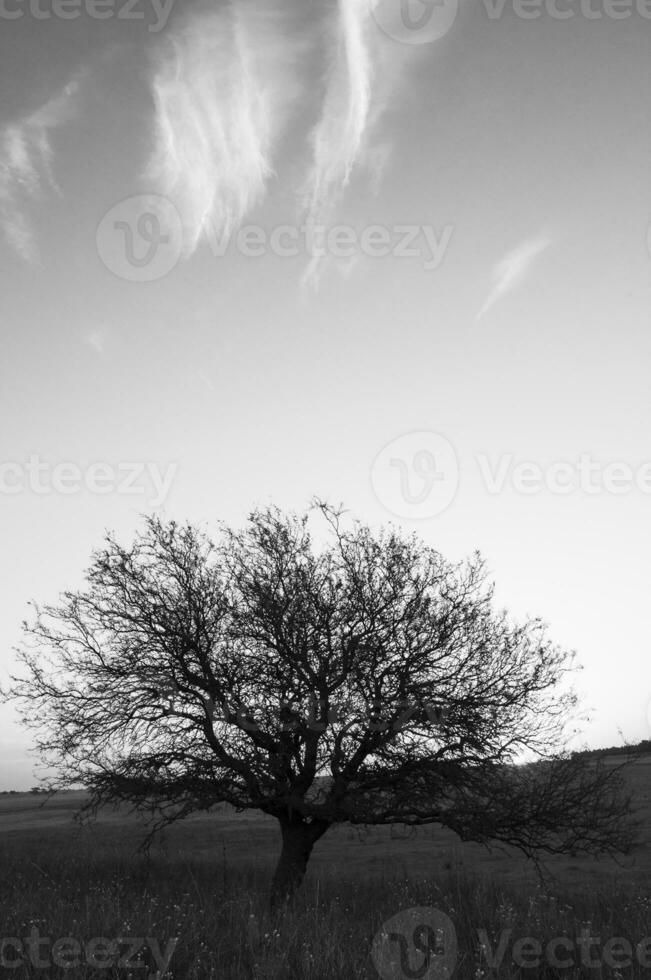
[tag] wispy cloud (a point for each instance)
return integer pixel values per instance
(512, 269)
(26, 166)
(364, 73)
(338, 136)
(223, 87)
(227, 81)
(97, 339)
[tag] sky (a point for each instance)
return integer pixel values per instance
(389, 252)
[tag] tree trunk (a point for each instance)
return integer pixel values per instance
(299, 837)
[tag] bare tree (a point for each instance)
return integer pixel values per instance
(364, 680)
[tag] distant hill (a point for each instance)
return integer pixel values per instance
(641, 748)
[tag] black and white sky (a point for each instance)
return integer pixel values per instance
(391, 252)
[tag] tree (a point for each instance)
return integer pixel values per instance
(364, 680)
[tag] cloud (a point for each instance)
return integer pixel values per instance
(364, 73)
(223, 88)
(26, 166)
(97, 339)
(338, 136)
(226, 84)
(512, 269)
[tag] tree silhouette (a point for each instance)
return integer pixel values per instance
(363, 679)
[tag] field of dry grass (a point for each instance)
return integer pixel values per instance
(204, 890)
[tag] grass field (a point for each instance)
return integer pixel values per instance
(201, 897)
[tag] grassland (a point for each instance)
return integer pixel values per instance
(204, 888)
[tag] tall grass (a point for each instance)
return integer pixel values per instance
(217, 911)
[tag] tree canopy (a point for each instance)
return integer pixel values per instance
(356, 676)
